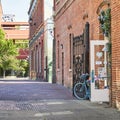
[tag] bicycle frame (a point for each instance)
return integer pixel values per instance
(81, 90)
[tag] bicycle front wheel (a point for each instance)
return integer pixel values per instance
(80, 91)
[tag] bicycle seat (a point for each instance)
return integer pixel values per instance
(84, 77)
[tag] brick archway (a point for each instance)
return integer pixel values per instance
(103, 5)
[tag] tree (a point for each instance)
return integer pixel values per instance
(8, 52)
(6, 46)
(8, 63)
(23, 65)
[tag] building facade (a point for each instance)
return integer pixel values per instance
(36, 21)
(71, 17)
(77, 23)
(19, 33)
(115, 26)
(16, 31)
(39, 12)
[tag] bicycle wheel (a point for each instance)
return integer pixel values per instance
(80, 91)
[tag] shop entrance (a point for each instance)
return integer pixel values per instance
(98, 68)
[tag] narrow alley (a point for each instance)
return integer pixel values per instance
(25, 90)
(33, 100)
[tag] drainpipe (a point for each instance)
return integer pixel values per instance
(54, 52)
(54, 60)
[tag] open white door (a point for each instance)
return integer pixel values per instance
(98, 68)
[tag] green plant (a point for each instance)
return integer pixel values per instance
(105, 26)
(105, 22)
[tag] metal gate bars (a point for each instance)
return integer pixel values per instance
(81, 54)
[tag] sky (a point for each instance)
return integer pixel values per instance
(19, 8)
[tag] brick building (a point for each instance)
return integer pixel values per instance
(36, 21)
(39, 12)
(19, 33)
(115, 26)
(71, 17)
(77, 20)
(16, 31)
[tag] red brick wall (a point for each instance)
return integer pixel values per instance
(71, 19)
(36, 42)
(115, 31)
(37, 18)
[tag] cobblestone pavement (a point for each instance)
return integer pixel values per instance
(24, 90)
(31, 100)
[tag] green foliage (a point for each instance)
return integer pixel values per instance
(105, 25)
(8, 53)
(23, 45)
(8, 62)
(50, 64)
(2, 34)
(23, 68)
(6, 46)
(105, 21)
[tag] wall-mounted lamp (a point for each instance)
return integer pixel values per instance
(69, 27)
(85, 15)
(61, 46)
(30, 20)
(34, 23)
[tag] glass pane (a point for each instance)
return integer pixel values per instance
(100, 67)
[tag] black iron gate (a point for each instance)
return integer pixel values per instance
(81, 54)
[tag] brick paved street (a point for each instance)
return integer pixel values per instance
(32, 100)
(15, 94)
(24, 90)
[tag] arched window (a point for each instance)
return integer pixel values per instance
(104, 18)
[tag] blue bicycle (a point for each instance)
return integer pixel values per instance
(82, 88)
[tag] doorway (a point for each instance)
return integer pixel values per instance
(99, 76)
